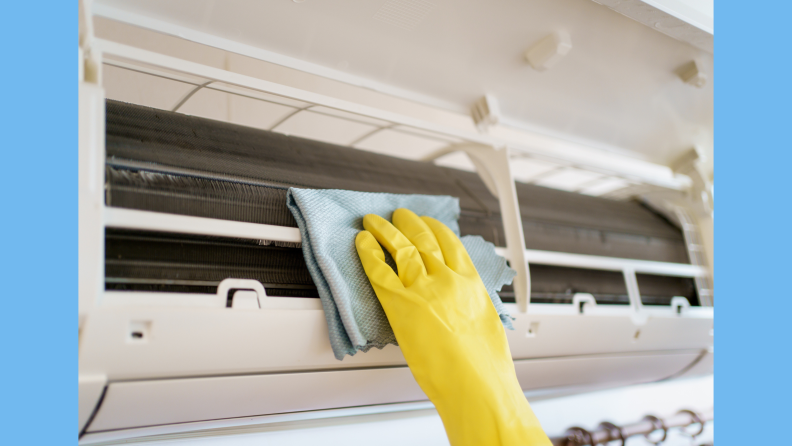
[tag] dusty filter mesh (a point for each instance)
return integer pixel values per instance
(151, 261)
(147, 139)
(200, 197)
(169, 162)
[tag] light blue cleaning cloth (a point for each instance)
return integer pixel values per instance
(329, 221)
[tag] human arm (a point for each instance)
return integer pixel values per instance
(448, 330)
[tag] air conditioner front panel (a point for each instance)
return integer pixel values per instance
(146, 403)
(173, 351)
(155, 402)
(201, 342)
(220, 341)
(704, 365)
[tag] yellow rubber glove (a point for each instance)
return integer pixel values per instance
(448, 330)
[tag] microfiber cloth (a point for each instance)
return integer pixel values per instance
(329, 220)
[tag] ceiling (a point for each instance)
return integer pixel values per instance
(616, 89)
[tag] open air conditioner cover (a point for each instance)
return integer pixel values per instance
(203, 364)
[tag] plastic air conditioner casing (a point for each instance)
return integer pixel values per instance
(148, 360)
(198, 364)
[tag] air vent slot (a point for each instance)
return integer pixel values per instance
(163, 262)
(559, 284)
(660, 290)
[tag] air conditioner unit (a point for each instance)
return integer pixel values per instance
(196, 304)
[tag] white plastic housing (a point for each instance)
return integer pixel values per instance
(164, 358)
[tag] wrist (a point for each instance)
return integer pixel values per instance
(479, 396)
(499, 411)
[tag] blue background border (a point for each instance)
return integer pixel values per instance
(753, 223)
(39, 222)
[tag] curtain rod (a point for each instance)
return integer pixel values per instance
(606, 431)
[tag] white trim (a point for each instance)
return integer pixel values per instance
(156, 299)
(635, 294)
(91, 237)
(647, 311)
(669, 311)
(609, 263)
(157, 221)
(148, 299)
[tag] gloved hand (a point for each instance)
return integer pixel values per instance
(448, 330)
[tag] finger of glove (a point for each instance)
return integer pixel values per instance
(408, 259)
(454, 252)
(420, 235)
(379, 273)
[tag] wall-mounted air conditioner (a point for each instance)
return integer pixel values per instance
(196, 304)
